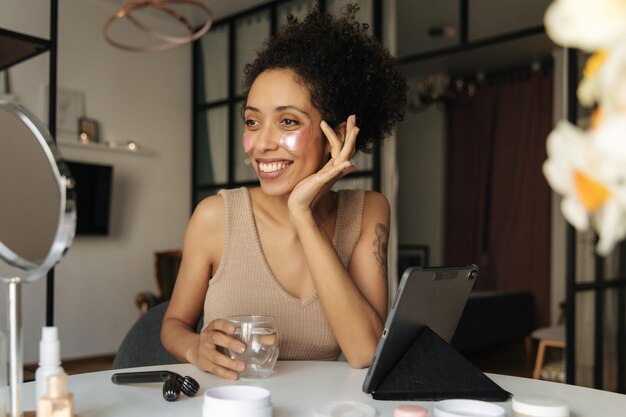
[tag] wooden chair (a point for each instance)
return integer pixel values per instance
(166, 265)
(550, 337)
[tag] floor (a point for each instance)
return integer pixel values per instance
(507, 359)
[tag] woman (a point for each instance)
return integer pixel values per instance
(292, 248)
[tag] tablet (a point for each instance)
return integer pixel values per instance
(433, 297)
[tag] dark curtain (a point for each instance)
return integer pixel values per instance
(497, 200)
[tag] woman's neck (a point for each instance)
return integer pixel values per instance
(276, 206)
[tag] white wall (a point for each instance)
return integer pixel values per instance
(140, 97)
(421, 165)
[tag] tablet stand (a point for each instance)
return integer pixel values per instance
(432, 370)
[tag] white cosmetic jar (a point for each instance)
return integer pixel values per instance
(467, 408)
(539, 406)
(237, 401)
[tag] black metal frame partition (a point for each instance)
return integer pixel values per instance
(52, 126)
(600, 284)
(233, 98)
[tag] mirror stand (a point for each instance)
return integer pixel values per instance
(15, 345)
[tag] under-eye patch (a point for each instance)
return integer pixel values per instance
(291, 141)
(247, 142)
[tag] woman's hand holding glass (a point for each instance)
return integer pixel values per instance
(212, 355)
(260, 335)
(305, 194)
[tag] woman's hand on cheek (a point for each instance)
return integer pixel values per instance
(305, 194)
(214, 342)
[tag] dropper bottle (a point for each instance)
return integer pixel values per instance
(49, 360)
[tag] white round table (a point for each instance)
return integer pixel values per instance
(297, 388)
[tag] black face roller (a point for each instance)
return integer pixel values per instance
(173, 382)
(188, 385)
(171, 390)
(124, 378)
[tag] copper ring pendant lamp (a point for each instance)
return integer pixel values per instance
(165, 7)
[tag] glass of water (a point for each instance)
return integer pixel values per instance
(260, 335)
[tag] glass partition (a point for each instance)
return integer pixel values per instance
(210, 156)
(251, 32)
(364, 15)
(215, 63)
(297, 8)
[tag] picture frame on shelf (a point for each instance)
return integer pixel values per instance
(89, 130)
(6, 92)
(4, 80)
(70, 107)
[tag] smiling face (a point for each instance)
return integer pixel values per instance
(282, 133)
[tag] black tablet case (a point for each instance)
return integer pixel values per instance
(432, 370)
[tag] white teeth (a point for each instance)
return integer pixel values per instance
(272, 166)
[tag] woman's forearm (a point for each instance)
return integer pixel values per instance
(355, 322)
(180, 340)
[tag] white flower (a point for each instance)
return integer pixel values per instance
(610, 225)
(610, 141)
(586, 24)
(589, 170)
(604, 81)
(612, 81)
(588, 91)
(568, 154)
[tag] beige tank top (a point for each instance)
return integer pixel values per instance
(244, 284)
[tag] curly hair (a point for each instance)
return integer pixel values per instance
(345, 70)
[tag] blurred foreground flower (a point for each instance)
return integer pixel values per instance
(589, 170)
(604, 80)
(588, 167)
(586, 24)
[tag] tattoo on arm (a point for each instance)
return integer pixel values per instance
(381, 242)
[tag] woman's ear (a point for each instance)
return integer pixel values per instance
(340, 131)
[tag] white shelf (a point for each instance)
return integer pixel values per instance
(99, 146)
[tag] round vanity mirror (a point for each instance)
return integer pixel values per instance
(37, 204)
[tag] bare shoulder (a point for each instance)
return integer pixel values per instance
(207, 221)
(209, 212)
